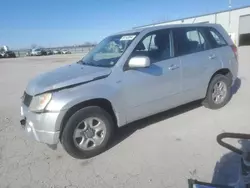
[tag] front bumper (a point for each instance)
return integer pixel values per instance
(40, 126)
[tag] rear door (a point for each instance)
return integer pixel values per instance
(198, 61)
(222, 50)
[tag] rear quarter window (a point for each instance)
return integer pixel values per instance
(215, 38)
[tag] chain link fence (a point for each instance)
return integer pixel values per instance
(73, 50)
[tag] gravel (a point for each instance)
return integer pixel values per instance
(160, 151)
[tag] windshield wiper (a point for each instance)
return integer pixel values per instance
(90, 63)
(84, 63)
(79, 62)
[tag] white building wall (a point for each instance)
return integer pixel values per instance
(201, 19)
(209, 18)
(168, 23)
(235, 18)
(220, 18)
(223, 19)
(244, 24)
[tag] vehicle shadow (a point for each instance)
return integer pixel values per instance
(237, 84)
(126, 131)
(226, 171)
(153, 70)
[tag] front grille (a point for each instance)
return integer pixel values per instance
(27, 99)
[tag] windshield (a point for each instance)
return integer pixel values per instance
(108, 52)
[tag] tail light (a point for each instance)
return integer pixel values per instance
(235, 50)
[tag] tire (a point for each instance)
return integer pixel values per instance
(210, 100)
(73, 125)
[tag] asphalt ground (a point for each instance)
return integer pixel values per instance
(160, 151)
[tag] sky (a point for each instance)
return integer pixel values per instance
(51, 23)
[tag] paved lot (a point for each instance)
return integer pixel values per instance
(161, 151)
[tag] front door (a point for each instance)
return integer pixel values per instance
(150, 90)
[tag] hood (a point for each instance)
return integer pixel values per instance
(66, 76)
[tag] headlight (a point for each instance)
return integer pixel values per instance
(40, 102)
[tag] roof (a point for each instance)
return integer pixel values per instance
(248, 6)
(153, 28)
(135, 30)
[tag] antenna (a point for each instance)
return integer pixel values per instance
(229, 14)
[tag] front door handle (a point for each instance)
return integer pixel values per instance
(173, 67)
(212, 57)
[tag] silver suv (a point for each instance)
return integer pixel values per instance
(126, 77)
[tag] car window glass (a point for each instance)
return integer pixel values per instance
(146, 43)
(156, 46)
(111, 50)
(108, 51)
(153, 46)
(218, 38)
(193, 36)
(202, 40)
(188, 40)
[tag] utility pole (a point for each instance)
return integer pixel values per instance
(229, 20)
(230, 4)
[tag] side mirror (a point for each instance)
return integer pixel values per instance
(139, 62)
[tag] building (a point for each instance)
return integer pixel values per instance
(235, 21)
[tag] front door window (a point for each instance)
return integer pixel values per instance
(155, 45)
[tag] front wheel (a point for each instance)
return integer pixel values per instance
(218, 92)
(87, 132)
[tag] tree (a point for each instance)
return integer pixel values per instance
(33, 46)
(87, 44)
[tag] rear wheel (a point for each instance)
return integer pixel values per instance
(87, 132)
(218, 92)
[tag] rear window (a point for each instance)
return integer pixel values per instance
(217, 39)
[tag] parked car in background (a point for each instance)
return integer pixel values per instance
(49, 52)
(57, 52)
(7, 54)
(38, 52)
(66, 52)
(44, 52)
(129, 76)
(28, 53)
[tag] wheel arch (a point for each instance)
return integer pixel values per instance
(207, 102)
(224, 71)
(101, 102)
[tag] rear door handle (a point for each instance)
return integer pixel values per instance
(212, 56)
(173, 67)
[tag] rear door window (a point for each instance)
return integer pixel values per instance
(188, 40)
